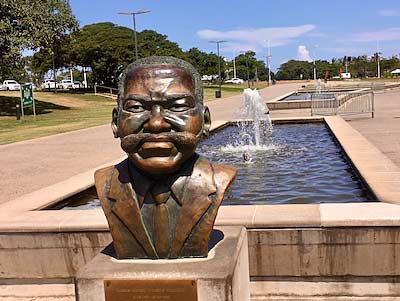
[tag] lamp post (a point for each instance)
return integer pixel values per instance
(234, 64)
(218, 95)
(269, 56)
(55, 13)
(134, 25)
(247, 67)
(315, 66)
(378, 59)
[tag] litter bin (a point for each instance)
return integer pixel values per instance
(217, 94)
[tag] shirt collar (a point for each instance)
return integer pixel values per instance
(142, 182)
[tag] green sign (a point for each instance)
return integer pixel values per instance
(26, 95)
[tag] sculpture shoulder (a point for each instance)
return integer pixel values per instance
(102, 174)
(223, 175)
(102, 178)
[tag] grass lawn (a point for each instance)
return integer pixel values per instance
(55, 113)
(229, 89)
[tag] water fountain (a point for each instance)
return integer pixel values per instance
(255, 126)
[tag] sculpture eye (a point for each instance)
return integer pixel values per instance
(179, 107)
(134, 107)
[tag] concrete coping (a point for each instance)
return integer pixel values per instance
(281, 97)
(380, 174)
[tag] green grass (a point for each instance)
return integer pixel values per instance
(229, 89)
(56, 113)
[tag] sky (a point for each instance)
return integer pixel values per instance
(301, 30)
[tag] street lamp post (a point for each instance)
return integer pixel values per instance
(219, 67)
(247, 67)
(315, 65)
(234, 64)
(269, 56)
(134, 25)
(378, 60)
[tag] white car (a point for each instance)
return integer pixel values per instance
(11, 85)
(77, 85)
(65, 84)
(32, 84)
(234, 80)
(48, 84)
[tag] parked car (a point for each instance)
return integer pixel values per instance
(65, 84)
(32, 84)
(234, 80)
(11, 85)
(48, 84)
(77, 85)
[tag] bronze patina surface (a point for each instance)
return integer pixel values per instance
(162, 201)
(150, 290)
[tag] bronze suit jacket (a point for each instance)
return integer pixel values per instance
(200, 188)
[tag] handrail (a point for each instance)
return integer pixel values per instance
(96, 86)
(343, 103)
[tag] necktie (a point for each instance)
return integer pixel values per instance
(161, 223)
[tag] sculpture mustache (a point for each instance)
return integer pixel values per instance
(131, 142)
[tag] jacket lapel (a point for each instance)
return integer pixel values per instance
(193, 194)
(127, 207)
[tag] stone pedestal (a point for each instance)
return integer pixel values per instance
(223, 275)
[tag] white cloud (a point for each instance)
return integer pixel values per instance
(303, 54)
(389, 13)
(389, 34)
(255, 38)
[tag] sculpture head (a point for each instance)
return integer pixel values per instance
(160, 117)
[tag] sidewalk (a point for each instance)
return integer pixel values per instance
(384, 130)
(30, 165)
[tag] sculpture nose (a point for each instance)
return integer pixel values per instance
(156, 122)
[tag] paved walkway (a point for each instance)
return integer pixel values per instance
(30, 165)
(384, 130)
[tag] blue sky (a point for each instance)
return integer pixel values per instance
(296, 29)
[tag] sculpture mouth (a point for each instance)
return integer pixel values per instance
(157, 148)
(159, 145)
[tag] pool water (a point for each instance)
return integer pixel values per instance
(300, 164)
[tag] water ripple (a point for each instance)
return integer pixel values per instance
(300, 163)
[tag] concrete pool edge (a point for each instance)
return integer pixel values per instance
(381, 175)
(279, 103)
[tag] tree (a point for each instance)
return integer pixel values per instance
(104, 47)
(34, 24)
(151, 43)
(295, 70)
(205, 63)
(107, 49)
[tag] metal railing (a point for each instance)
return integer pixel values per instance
(106, 91)
(342, 103)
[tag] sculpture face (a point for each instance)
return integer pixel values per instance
(160, 120)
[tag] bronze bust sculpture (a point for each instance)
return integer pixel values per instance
(162, 201)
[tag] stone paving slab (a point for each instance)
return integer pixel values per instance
(383, 131)
(37, 292)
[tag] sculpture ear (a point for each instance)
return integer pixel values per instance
(114, 122)
(207, 122)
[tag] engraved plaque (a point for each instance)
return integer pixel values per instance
(163, 290)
